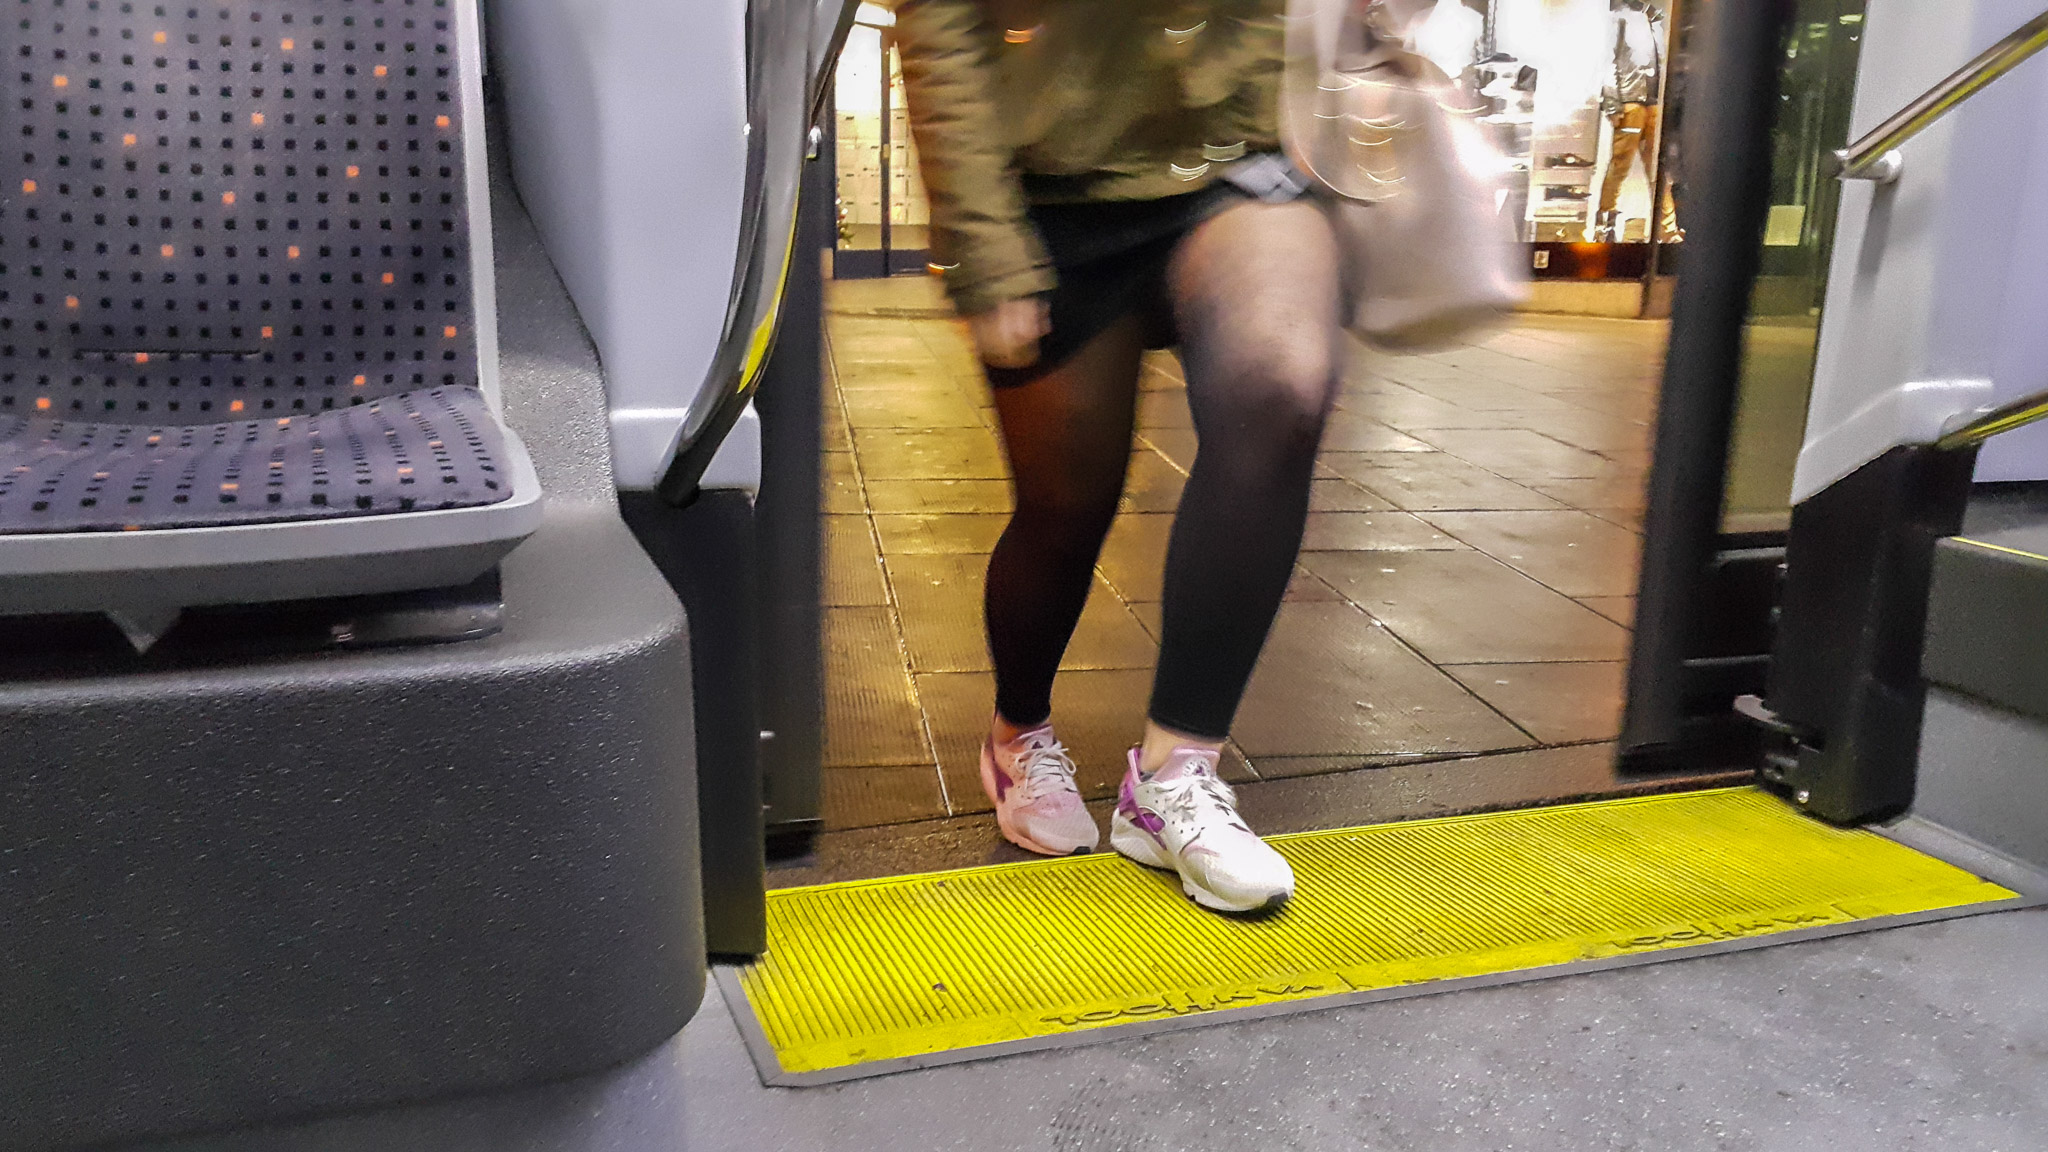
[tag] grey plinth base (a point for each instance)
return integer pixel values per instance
(247, 892)
(1984, 774)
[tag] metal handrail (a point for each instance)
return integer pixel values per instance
(1876, 155)
(2004, 418)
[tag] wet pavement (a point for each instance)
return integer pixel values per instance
(1462, 599)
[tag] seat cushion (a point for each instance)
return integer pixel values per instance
(412, 452)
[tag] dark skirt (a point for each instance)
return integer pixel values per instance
(1111, 258)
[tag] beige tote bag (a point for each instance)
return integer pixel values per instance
(1413, 187)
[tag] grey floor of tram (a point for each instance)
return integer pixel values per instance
(1933, 1036)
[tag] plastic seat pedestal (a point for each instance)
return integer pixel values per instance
(256, 873)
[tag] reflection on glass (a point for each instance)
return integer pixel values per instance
(858, 99)
(1574, 91)
(877, 160)
(1816, 84)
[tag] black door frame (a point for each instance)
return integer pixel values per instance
(1704, 601)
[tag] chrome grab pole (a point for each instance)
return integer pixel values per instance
(1876, 156)
(2004, 418)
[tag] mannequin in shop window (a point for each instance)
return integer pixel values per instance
(1632, 104)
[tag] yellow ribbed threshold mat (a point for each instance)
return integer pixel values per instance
(880, 976)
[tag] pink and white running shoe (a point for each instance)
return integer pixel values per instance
(1185, 820)
(1038, 807)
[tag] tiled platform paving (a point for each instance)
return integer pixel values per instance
(1465, 588)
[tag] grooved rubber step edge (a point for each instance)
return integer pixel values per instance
(879, 976)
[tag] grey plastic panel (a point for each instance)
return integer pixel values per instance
(628, 134)
(779, 107)
(1934, 291)
(673, 243)
(1984, 774)
(1987, 618)
(246, 891)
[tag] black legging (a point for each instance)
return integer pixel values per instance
(1255, 298)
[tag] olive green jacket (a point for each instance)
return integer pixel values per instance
(1022, 101)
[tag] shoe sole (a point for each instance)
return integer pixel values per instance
(988, 786)
(1132, 843)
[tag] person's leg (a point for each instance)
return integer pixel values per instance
(1631, 131)
(1068, 435)
(1256, 299)
(1069, 439)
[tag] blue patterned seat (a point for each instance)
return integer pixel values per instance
(416, 451)
(246, 296)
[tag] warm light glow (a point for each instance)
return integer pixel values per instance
(256, 119)
(236, 406)
(227, 197)
(1571, 43)
(267, 332)
(161, 38)
(142, 357)
(292, 253)
(389, 278)
(362, 380)
(42, 403)
(128, 141)
(28, 186)
(381, 70)
(60, 82)
(167, 251)
(285, 44)
(354, 171)
(441, 121)
(449, 332)
(71, 301)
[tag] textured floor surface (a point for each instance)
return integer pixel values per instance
(879, 975)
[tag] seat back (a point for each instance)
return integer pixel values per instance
(245, 294)
(212, 213)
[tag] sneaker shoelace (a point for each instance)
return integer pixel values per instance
(1192, 797)
(1048, 767)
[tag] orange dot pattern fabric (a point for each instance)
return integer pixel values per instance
(415, 452)
(234, 244)
(194, 176)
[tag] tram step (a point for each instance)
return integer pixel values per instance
(1987, 618)
(880, 976)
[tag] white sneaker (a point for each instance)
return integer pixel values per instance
(1185, 820)
(1031, 781)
